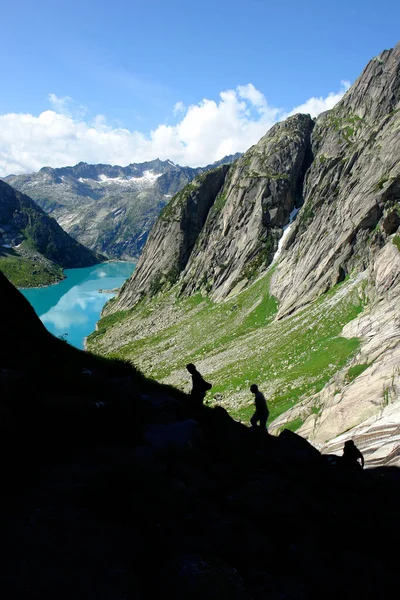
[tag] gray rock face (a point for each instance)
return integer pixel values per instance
(242, 231)
(352, 185)
(349, 223)
(369, 406)
(172, 239)
(109, 209)
(351, 190)
(219, 232)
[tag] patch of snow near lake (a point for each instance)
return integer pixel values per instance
(285, 233)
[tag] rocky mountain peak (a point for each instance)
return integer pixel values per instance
(350, 188)
(375, 94)
(173, 238)
(256, 198)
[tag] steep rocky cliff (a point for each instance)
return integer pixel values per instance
(109, 209)
(262, 189)
(32, 241)
(221, 231)
(320, 328)
(352, 189)
(349, 224)
(172, 239)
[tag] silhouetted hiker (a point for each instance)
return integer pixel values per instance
(351, 456)
(200, 386)
(262, 413)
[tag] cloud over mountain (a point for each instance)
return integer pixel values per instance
(205, 132)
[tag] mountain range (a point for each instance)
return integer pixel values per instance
(109, 209)
(283, 269)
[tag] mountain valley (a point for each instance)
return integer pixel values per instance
(314, 320)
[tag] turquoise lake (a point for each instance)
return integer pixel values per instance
(72, 307)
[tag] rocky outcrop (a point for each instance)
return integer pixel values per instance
(350, 222)
(242, 231)
(220, 232)
(351, 191)
(110, 209)
(23, 222)
(172, 239)
(364, 407)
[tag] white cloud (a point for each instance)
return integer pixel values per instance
(179, 108)
(60, 104)
(206, 132)
(67, 106)
(315, 106)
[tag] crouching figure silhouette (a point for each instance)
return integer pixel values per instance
(262, 413)
(200, 386)
(351, 456)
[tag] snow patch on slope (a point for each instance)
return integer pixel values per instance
(148, 178)
(285, 233)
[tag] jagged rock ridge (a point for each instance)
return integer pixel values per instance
(350, 223)
(245, 214)
(352, 184)
(172, 240)
(241, 234)
(352, 189)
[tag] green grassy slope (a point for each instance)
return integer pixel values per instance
(237, 342)
(23, 271)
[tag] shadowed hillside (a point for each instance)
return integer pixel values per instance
(115, 487)
(33, 247)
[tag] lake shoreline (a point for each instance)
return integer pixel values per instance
(72, 307)
(46, 285)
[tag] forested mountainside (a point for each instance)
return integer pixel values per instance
(109, 209)
(33, 247)
(285, 268)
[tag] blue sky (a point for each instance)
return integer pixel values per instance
(118, 79)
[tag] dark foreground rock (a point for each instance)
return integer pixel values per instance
(96, 505)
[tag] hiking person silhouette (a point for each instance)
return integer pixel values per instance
(200, 386)
(262, 413)
(351, 456)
